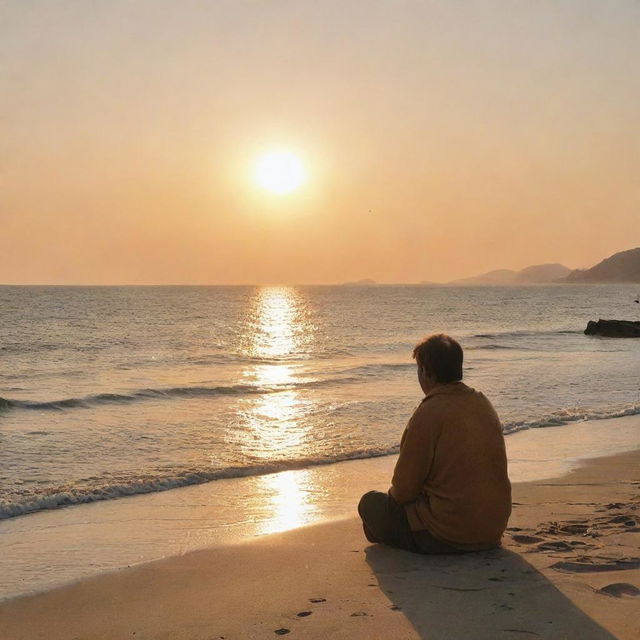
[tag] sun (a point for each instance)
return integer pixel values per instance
(280, 172)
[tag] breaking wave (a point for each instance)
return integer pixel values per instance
(172, 392)
(107, 489)
(566, 416)
(57, 497)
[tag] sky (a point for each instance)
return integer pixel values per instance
(439, 139)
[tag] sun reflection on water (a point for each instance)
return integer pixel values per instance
(277, 320)
(287, 499)
(278, 330)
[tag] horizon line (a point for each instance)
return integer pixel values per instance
(451, 283)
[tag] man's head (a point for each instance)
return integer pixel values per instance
(439, 359)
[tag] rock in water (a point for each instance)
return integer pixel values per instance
(613, 328)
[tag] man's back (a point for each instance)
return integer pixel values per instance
(452, 470)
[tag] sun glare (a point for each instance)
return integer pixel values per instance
(279, 172)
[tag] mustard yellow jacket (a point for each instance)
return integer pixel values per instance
(451, 474)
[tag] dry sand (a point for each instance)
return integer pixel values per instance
(570, 568)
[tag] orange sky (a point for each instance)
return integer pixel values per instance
(440, 139)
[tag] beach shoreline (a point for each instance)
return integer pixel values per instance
(55, 548)
(579, 522)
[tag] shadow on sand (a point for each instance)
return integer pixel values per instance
(486, 595)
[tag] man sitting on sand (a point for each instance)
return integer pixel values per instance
(450, 490)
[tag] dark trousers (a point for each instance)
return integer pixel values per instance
(385, 520)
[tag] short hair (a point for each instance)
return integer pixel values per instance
(441, 357)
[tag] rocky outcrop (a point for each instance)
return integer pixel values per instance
(613, 328)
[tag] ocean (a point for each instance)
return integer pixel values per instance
(108, 392)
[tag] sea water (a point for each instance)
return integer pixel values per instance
(108, 392)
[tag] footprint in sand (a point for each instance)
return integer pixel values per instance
(575, 529)
(557, 545)
(524, 539)
(620, 589)
(598, 565)
(624, 519)
(572, 528)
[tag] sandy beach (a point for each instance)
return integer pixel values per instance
(569, 568)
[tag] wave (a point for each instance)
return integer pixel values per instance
(109, 488)
(515, 339)
(526, 333)
(58, 497)
(19, 347)
(66, 496)
(167, 393)
(566, 416)
(492, 346)
(380, 368)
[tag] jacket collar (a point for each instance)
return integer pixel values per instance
(451, 388)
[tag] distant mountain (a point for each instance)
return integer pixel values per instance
(365, 282)
(499, 276)
(536, 274)
(620, 267)
(543, 273)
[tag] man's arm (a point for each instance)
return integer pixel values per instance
(416, 456)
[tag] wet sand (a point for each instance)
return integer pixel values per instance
(569, 568)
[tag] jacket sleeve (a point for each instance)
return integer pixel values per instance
(416, 457)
